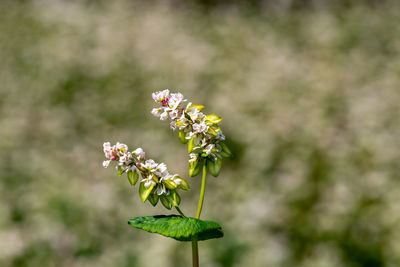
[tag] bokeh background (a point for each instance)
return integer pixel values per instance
(310, 96)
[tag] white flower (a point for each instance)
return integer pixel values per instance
(126, 158)
(140, 153)
(121, 148)
(173, 125)
(149, 164)
(200, 127)
(156, 112)
(108, 150)
(164, 116)
(106, 163)
(220, 136)
(209, 149)
(174, 114)
(193, 157)
(161, 189)
(175, 100)
(182, 122)
(160, 95)
(161, 170)
(148, 182)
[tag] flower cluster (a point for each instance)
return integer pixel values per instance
(155, 181)
(200, 131)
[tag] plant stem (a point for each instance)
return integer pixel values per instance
(195, 253)
(180, 212)
(195, 248)
(202, 191)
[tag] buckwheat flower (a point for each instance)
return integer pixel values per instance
(220, 136)
(161, 190)
(174, 114)
(160, 95)
(149, 164)
(173, 125)
(209, 149)
(106, 163)
(164, 116)
(148, 182)
(140, 154)
(126, 158)
(193, 157)
(156, 112)
(175, 100)
(200, 127)
(161, 170)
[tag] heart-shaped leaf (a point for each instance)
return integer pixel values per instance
(177, 227)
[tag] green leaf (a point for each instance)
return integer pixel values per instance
(133, 177)
(143, 192)
(182, 137)
(214, 166)
(177, 227)
(119, 171)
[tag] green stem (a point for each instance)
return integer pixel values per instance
(179, 210)
(195, 253)
(202, 191)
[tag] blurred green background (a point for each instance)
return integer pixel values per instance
(310, 96)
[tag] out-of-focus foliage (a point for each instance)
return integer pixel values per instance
(310, 101)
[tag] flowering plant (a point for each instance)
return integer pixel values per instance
(206, 148)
